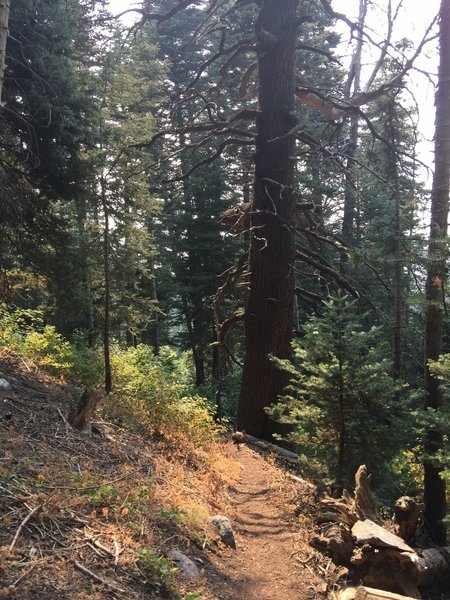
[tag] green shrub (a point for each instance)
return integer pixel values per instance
(87, 363)
(159, 571)
(151, 389)
(15, 324)
(49, 350)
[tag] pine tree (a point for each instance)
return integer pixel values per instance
(340, 400)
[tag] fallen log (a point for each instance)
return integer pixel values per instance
(378, 558)
(432, 566)
(240, 437)
(383, 560)
(367, 593)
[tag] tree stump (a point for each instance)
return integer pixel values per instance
(406, 517)
(352, 533)
(365, 504)
(80, 417)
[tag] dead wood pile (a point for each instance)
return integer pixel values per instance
(377, 554)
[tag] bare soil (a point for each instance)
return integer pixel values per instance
(272, 554)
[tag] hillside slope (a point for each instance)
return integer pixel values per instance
(97, 516)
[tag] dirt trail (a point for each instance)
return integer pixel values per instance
(263, 567)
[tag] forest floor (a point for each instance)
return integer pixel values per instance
(97, 516)
(272, 555)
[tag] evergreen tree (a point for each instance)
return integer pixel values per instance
(340, 400)
(45, 127)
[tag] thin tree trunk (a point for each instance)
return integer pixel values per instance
(84, 251)
(107, 276)
(398, 293)
(4, 32)
(397, 369)
(197, 351)
(269, 311)
(155, 327)
(434, 486)
(342, 433)
(353, 82)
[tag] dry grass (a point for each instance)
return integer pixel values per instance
(93, 502)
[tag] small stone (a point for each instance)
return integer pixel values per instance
(223, 526)
(4, 385)
(186, 566)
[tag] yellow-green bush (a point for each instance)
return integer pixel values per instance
(148, 389)
(152, 389)
(49, 349)
(23, 332)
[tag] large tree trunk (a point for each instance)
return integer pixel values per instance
(434, 486)
(269, 311)
(4, 19)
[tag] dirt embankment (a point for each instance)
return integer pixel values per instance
(96, 516)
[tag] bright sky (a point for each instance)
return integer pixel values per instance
(413, 19)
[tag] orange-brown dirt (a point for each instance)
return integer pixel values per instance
(78, 512)
(272, 555)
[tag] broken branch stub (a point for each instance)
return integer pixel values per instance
(80, 418)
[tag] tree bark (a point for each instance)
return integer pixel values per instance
(269, 311)
(353, 82)
(107, 276)
(196, 347)
(4, 32)
(434, 486)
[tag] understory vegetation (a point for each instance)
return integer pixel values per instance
(153, 392)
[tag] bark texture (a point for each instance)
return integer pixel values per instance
(434, 486)
(269, 311)
(4, 19)
(80, 417)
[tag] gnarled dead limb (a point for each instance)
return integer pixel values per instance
(365, 504)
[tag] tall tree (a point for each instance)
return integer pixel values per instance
(127, 92)
(269, 311)
(4, 19)
(434, 485)
(268, 316)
